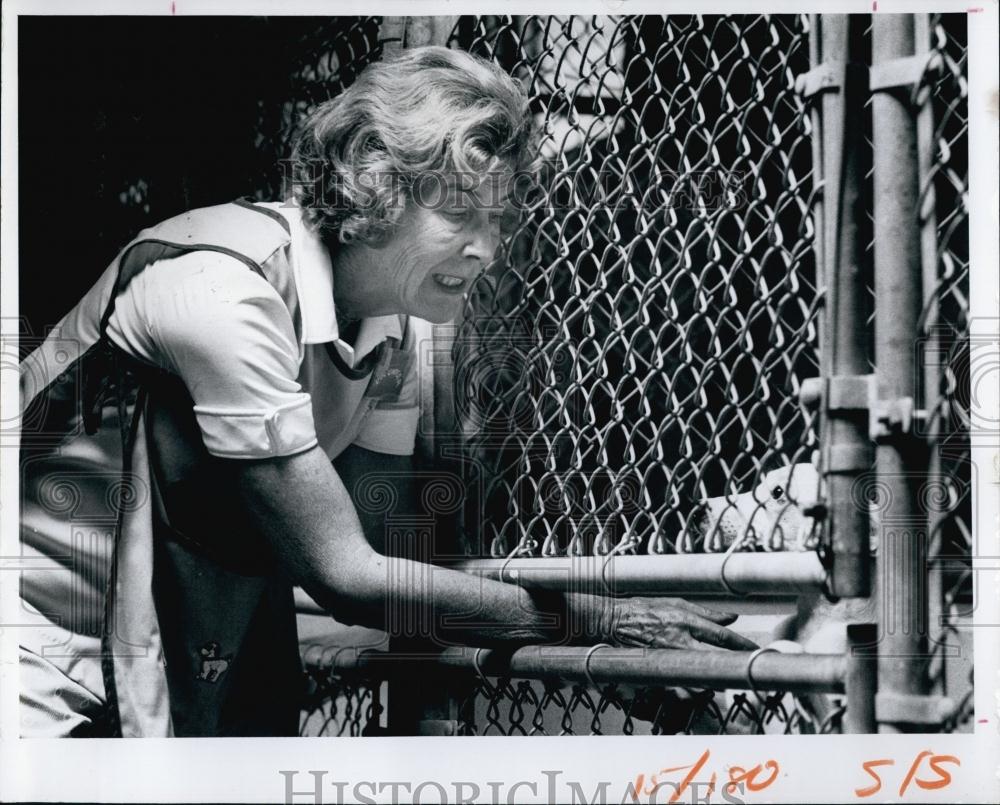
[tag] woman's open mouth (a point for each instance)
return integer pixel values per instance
(449, 283)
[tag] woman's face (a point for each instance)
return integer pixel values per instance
(444, 239)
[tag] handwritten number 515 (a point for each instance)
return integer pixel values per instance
(942, 778)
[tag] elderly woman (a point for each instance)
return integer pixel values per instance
(193, 400)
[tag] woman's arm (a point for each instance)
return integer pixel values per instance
(358, 468)
(307, 515)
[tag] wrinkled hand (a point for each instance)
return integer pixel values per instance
(673, 623)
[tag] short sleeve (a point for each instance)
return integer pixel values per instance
(225, 331)
(391, 427)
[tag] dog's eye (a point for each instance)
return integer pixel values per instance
(777, 493)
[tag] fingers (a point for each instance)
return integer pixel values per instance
(674, 623)
(715, 635)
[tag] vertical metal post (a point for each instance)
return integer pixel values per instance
(847, 451)
(422, 703)
(861, 680)
(902, 550)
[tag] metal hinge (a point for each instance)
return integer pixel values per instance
(906, 73)
(826, 76)
(829, 76)
(887, 419)
(895, 418)
(909, 708)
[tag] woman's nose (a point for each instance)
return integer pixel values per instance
(483, 240)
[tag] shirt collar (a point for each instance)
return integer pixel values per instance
(313, 273)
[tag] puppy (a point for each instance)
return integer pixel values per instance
(772, 517)
(769, 517)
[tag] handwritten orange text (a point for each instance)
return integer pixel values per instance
(935, 776)
(680, 778)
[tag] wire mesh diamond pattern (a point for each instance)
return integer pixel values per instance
(503, 706)
(340, 705)
(640, 345)
(949, 354)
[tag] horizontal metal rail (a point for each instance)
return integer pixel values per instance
(720, 670)
(770, 605)
(778, 573)
(770, 576)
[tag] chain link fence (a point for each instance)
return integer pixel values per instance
(640, 345)
(503, 706)
(948, 352)
(340, 705)
(322, 59)
(344, 699)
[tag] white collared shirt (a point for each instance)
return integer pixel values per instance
(312, 270)
(260, 375)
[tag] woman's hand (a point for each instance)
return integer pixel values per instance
(673, 623)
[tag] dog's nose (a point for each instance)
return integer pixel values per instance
(698, 525)
(719, 524)
(694, 517)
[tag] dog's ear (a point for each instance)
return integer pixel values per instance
(771, 462)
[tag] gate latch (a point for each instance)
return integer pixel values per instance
(908, 708)
(887, 419)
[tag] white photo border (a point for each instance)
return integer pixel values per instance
(816, 769)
